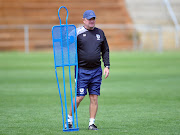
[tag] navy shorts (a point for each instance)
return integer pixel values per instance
(89, 79)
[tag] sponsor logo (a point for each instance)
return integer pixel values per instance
(98, 36)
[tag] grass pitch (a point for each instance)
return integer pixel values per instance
(140, 97)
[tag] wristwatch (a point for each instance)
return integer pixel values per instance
(108, 67)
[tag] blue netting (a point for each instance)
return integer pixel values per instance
(64, 40)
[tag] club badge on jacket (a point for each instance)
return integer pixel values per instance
(98, 36)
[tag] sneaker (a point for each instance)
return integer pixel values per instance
(69, 125)
(92, 127)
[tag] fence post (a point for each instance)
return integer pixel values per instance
(26, 38)
(160, 46)
(135, 39)
(176, 38)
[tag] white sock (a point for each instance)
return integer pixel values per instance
(70, 119)
(91, 121)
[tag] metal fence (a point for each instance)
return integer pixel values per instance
(143, 37)
(150, 37)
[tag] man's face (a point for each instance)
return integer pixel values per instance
(89, 23)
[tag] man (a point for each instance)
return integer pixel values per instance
(91, 44)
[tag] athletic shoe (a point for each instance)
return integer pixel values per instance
(69, 125)
(92, 127)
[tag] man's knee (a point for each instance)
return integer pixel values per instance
(79, 99)
(93, 99)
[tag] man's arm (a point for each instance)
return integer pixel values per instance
(105, 56)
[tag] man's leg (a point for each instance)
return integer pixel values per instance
(78, 101)
(70, 119)
(93, 107)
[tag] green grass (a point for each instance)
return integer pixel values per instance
(140, 97)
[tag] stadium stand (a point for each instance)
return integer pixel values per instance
(40, 12)
(154, 13)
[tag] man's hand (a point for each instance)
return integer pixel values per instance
(106, 72)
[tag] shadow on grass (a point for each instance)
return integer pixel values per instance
(106, 128)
